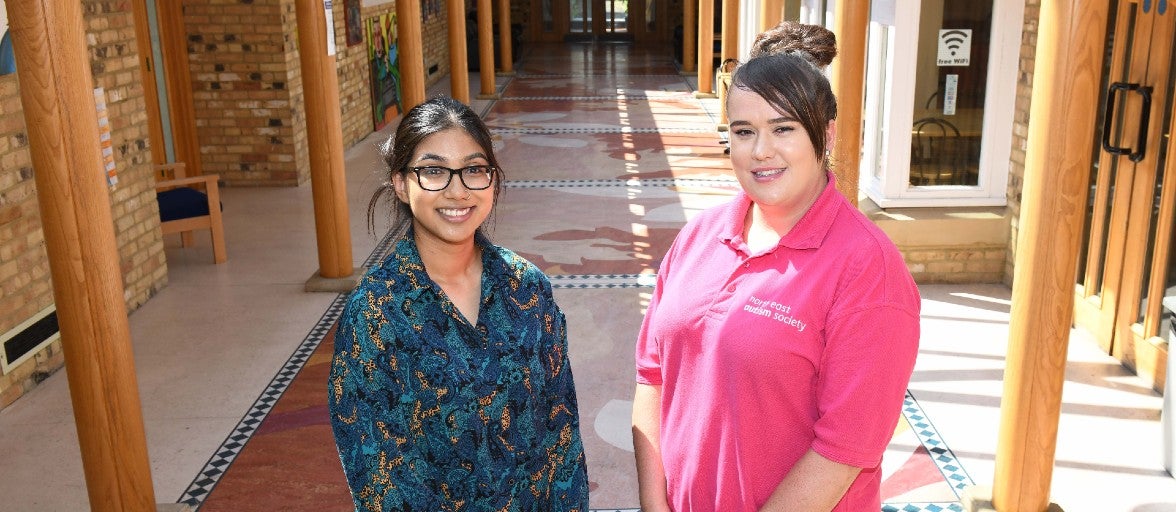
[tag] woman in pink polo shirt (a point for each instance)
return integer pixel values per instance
(774, 355)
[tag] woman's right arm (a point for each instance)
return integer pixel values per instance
(352, 414)
(651, 476)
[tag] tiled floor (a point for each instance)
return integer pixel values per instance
(606, 154)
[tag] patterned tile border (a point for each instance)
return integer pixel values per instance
(223, 457)
(945, 459)
(609, 129)
(641, 96)
(597, 281)
(922, 507)
(585, 75)
(649, 182)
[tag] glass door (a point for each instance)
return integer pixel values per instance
(1124, 268)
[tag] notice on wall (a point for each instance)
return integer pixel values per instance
(955, 47)
(951, 84)
(330, 27)
(104, 141)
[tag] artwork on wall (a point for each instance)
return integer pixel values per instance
(430, 8)
(353, 22)
(381, 38)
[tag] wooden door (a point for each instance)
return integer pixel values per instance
(1124, 271)
(167, 86)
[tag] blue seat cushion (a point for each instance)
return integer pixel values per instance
(182, 203)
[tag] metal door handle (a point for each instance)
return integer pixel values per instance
(1108, 120)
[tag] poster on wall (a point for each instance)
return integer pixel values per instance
(430, 8)
(104, 141)
(385, 68)
(353, 22)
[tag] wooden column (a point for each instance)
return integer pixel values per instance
(1057, 169)
(730, 46)
(486, 50)
(504, 44)
(689, 36)
(771, 13)
(706, 47)
(850, 22)
(459, 61)
(411, 50)
(320, 85)
(57, 94)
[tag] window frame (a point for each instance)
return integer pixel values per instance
(892, 50)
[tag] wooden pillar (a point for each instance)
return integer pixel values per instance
(850, 22)
(320, 85)
(459, 61)
(56, 91)
(730, 46)
(1057, 169)
(411, 53)
(706, 47)
(504, 44)
(486, 50)
(772, 13)
(689, 36)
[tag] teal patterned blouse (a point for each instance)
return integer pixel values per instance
(431, 413)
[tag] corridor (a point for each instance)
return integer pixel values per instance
(606, 154)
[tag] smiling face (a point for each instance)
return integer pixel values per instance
(450, 216)
(773, 156)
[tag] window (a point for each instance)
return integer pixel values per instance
(940, 90)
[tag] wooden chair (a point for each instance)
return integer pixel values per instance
(183, 207)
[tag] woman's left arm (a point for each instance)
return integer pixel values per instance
(814, 484)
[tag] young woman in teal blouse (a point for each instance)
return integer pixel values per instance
(450, 387)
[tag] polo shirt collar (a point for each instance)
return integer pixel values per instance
(808, 233)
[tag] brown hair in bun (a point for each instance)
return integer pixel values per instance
(815, 42)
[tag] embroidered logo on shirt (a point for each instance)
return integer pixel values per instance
(774, 310)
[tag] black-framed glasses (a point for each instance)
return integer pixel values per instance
(436, 178)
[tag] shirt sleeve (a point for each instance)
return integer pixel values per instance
(354, 410)
(648, 351)
(566, 463)
(870, 352)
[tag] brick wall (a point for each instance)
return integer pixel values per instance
(976, 263)
(1021, 130)
(247, 92)
(24, 266)
(247, 84)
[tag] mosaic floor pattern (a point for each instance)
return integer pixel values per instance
(606, 156)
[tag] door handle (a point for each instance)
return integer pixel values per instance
(1144, 119)
(1141, 143)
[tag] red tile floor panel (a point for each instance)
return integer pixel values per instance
(612, 156)
(665, 115)
(596, 59)
(597, 230)
(290, 462)
(531, 86)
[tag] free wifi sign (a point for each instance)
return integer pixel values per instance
(955, 47)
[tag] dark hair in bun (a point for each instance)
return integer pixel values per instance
(785, 69)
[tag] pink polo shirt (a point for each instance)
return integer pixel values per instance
(809, 344)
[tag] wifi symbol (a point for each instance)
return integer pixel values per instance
(953, 39)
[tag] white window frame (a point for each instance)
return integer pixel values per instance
(889, 106)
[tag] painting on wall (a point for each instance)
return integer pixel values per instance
(381, 38)
(354, 24)
(430, 8)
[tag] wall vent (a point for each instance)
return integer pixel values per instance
(28, 338)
